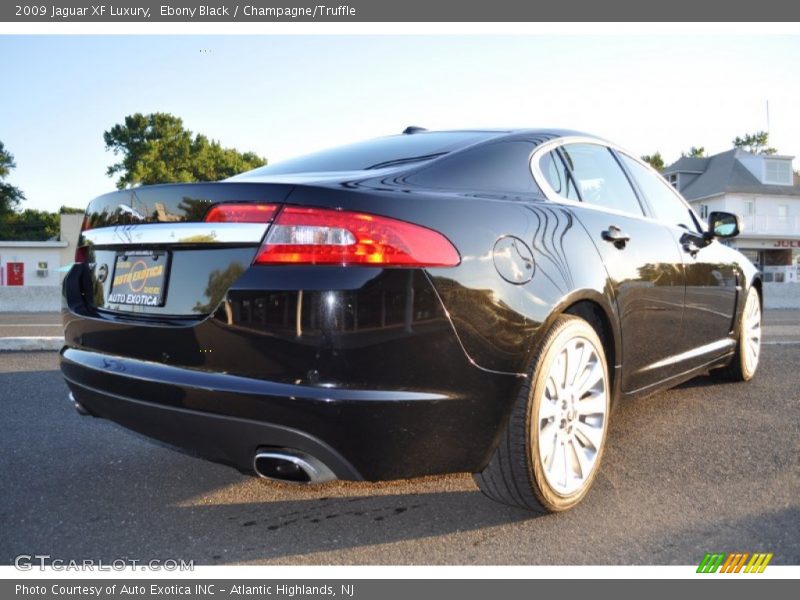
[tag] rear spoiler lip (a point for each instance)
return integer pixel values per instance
(175, 203)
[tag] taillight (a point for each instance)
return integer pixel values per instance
(241, 213)
(319, 236)
(82, 252)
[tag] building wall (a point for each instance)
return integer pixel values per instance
(31, 257)
(57, 254)
(712, 204)
(768, 238)
(70, 231)
(765, 219)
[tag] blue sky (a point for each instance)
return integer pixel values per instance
(285, 95)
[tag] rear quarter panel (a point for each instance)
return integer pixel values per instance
(497, 322)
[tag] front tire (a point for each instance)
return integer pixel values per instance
(550, 452)
(745, 360)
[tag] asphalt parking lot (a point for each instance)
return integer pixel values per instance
(706, 467)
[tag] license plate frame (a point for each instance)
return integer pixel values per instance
(149, 288)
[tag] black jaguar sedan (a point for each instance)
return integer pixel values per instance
(424, 303)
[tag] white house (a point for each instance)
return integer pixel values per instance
(762, 190)
(40, 263)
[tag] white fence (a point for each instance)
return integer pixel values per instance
(38, 298)
(782, 295)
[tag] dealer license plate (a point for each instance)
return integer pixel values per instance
(140, 279)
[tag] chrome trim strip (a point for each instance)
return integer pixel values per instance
(550, 193)
(151, 234)
(693, 353)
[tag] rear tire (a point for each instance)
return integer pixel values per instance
(551, 449)
(744, 363)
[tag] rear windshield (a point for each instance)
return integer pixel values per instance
(375, 154)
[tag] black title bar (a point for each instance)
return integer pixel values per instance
(400, 11)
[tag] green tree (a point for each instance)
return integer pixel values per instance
(756, 143)
(69, 210)
(29, 225)
(695, 152)
(654, 160)
(10, 196)
(156, 148)
(218, 284)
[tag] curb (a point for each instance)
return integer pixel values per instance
(31, 343)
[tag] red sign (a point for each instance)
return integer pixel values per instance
(787, 244)
(16, 273)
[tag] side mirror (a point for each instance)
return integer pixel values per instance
(723, 224)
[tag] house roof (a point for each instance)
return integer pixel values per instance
(724, 173)
(687, 164)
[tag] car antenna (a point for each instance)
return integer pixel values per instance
(413, 129)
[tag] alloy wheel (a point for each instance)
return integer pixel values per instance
(752, 332)
(572, 416)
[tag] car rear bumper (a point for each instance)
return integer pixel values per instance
(358, 434)
(361, 370)
(219, 437)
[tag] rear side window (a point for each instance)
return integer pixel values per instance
(666, 205)
(499, 167)
(599, 178)
(557, 176)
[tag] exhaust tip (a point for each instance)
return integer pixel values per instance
(290, 466)
(78, 406)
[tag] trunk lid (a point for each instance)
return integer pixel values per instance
(150, 253)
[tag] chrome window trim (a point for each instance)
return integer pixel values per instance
(152, 234)
(553, 196)
(678, 196)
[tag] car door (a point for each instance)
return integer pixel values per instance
(711, 274)
(643, 261)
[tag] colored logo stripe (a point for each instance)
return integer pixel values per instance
(734, 562)
(711, 563)
(759, 561)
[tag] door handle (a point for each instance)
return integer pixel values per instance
(616, 236)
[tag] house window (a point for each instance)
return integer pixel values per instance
(753, 256)
(783, 212)
(673, 180)
(778, 172)
(704, 211)
(749, 207)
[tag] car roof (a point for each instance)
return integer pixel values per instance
(535, 135)
(502, 132)
(479, 137)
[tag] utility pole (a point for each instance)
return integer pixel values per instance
(767, 117)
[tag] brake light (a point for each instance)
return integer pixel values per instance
(241, 213)
(82, 252)
(318, 236)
